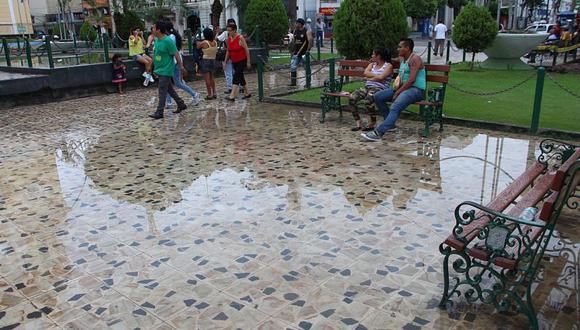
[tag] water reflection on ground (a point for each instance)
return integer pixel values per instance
(244, 216)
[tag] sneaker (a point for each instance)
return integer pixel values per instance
(145, 74)
(195, 100)
(371, 136)
(146, 82)
(179, 109)
(156, 116)
(151, 78)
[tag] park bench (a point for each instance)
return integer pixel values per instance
(430, 110)
(493, 252)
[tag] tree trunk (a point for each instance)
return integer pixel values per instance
(472, 61)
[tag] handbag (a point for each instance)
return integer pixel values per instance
(220, 56)
(397, 82)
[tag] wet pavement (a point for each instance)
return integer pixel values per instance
(245, 215)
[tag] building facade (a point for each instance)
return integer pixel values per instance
(15, 18)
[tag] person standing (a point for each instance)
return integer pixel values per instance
(227, 65)
(411, 90)
(209, 46)
(239, 53)
(300, 38)
(163, 60)
(439, 34)
(320, 31)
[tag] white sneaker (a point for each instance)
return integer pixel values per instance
(151, 78)
(195, 99)
(145, 74)
(146, 82)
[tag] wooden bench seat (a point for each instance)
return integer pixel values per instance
(431, 109)
(494, 241)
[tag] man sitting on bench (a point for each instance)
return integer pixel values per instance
(412, 89)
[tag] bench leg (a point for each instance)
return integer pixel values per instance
(323, 108)
(445, 297)
(427, 113)
(440, 117)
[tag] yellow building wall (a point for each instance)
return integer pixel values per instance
(15, 17)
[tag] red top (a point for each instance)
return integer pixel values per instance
(237, 52)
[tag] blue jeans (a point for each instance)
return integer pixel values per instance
(404, 99)
(319, 37)
(179, 83)
(295, 62)
(229, 73)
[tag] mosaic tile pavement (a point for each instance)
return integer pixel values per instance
(245, 216)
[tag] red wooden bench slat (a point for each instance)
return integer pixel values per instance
(354, 63)
(533, 196)
(437, 67)
(351, 73)
(439, 79)
(561, 173)
(499, 203)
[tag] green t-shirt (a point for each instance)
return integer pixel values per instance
(163, 57)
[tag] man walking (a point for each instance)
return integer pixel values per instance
(301, 46)
(165, 52)
(439, 34)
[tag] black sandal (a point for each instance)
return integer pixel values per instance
(355, 129)
(210, 97)
(230, 99)
(368, 129)
(246, 96)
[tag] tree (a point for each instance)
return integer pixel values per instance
(126, 21)
(361, 25)
(456, 5)
(88, 32)
(420, 8)
(474, 30)
(216, 11)
(270, 15)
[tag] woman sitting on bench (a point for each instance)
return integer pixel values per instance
(378, 74)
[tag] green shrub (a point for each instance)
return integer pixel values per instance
(474, 30)
(125, 22)
(270, 15)
(88, 32)
(361, 25)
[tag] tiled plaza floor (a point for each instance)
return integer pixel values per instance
(245, 215)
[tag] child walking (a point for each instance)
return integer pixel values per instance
(119, 71)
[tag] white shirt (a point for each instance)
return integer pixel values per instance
(440, 30)
(223, 36)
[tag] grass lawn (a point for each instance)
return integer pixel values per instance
(284, 58)
(560, 110)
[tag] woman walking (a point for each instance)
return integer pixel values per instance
(209, 47)
(177, 79)
(239, 53)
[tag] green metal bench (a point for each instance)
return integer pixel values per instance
(430, 110)
(494, 255)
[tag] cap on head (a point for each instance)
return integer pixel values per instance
(300, 21)
(308, 20)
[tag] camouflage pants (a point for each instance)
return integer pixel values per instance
(363, 98)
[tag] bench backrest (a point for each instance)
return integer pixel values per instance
(356, 68)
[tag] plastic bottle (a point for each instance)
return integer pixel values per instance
(529, 213)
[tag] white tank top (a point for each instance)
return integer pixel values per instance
(379, 70)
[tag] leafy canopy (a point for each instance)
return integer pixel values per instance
(361, 25)
(270, 15)
(475, 29)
